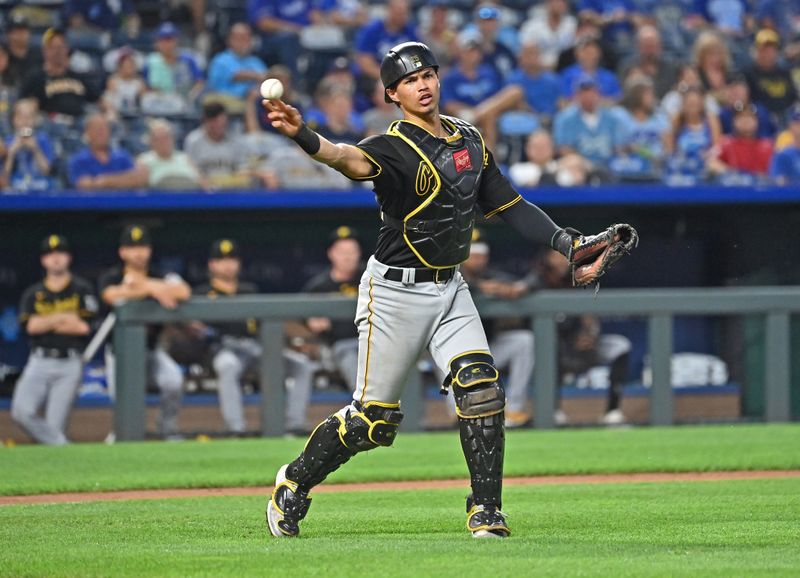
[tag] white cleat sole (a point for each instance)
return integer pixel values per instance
(486, 534)
(273, 515)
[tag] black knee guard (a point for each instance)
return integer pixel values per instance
(369, 426)
(480, 400)
(476, 386)
(340, 437)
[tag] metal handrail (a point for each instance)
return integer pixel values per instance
(659, 306)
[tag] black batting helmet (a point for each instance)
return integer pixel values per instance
(405, 59)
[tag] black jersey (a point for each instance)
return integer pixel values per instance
(77, 297)
(323, 283)
(247, 328)
(401, 188)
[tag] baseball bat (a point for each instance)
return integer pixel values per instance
(100, 337)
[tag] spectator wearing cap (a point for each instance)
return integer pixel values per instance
(125, 87)
(280, 24)
(744, 151)
(738, 99)
(498, 43)
(58, 89)
(30, 154)
(57, 313)
(136, 279)
(332, 345)
(587, 63)
(552, 28)
(168, 70)
(223, 158)
(236, 70)
(770, 83)
(377, 37)
(649, 58)
(469, 83)
(779, 15)
(587, 128)
(99, 165)
(785, 166)
(22, 56)
(166, 167)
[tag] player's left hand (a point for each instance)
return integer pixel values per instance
(592, 256)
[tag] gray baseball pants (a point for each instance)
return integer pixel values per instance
(240, 354)
(168, 377)
(54, 383)
(397, 320)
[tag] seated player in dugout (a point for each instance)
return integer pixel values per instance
(431, 175)
(235, 348)
(331, 345)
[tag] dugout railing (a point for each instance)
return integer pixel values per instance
(658, 306)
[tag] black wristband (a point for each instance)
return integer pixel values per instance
(307, 139)
(562, 241)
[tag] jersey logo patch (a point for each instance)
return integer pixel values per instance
(462, 160)
(425, 180)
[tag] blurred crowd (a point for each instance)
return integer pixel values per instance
(116, 94)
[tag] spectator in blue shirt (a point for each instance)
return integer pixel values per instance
(375, 39)
(280, 22)
(236, 70)
(170, 71)
(785, 166)
(30, 154)
(540, 88)
(98, 165)
(587, 56)
(587, 128)
(471, 81)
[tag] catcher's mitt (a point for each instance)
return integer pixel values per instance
(592, 256)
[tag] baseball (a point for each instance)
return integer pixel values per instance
(271, 89)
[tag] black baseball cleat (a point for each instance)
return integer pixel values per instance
(286, 507)
(486, 521)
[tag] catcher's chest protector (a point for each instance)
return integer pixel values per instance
(439, 230)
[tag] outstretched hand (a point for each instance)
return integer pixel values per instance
(285, 118)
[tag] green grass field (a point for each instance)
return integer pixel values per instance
(719, 528)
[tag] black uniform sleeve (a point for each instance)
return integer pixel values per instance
(26, 305)
(379, 151)
(108, 278)
(497, 196)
